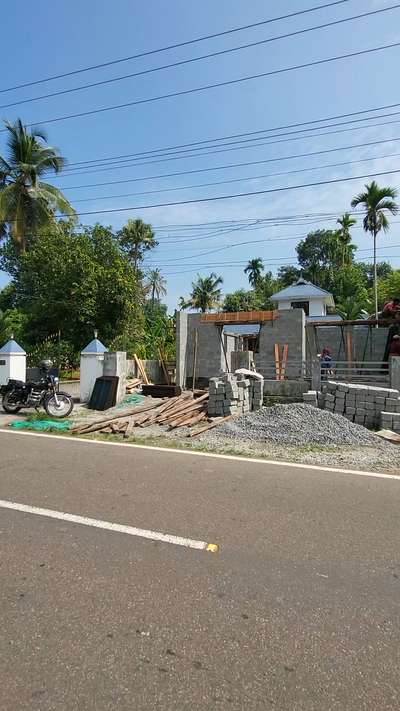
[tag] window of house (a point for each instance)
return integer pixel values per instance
(301, 305)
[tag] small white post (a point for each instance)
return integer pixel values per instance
(92, 364)
(12, 362)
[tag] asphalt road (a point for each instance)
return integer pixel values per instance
(299, 609)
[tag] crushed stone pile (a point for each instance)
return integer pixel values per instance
(296, 424)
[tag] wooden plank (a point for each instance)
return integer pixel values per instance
(284, 361)
(195, 405)
(215, 423)
(239, 317)
(349, 347)
(164, 367)
(277, 362)
(196, 338)
(190, 420)
(86, 426)
(141, 369)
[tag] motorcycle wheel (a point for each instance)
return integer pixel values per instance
(9, 407)
(64, 408)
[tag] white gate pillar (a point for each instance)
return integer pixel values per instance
(92, 364)
(12, 362)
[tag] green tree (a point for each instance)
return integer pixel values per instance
(74, 282)
(377, 203)
(254, 271)
(319, 256)
(156, 284)
(266, 286)
(240, 300)
(350, 308)
(389, 287)
(344, 236)
(383, 270)
(288, 275)
(136, 238)
(12, 321)
(26, 203)
(206, 294)
(183, 303)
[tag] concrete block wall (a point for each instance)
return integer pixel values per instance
(363, 404)
(234, 394)
(366, 347)
(288, 327)
(210, 352)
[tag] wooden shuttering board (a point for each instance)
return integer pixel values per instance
(239, 317)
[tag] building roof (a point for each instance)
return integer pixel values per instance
(302, 289)
(12, 347)
(95, 346)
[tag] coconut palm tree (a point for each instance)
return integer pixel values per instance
(183, 303)
(156, 284)
(377, 203)
(254, 270)
(206, 294)
(344, 236)
(26, 203)
(136, 238)
(351, 308)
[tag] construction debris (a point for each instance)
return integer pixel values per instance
(179, 411)
(133, 384)
(296, 424)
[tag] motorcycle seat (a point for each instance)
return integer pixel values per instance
(18, 383)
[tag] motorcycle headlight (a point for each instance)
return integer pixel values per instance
(56, 380)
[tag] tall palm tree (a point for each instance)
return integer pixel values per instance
(345, 222)
(156, 284)
(206, 294)
(26, 203)
(350, 308)
(254, 270)
(183, 303)
(377, 203)
(137, 238)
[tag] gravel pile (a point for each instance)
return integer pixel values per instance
(296, 424)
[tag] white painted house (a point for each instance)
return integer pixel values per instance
(304, 295)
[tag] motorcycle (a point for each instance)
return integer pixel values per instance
(17, 394)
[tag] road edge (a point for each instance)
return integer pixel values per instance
(195, 453)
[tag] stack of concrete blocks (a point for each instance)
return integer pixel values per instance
(311, 398)
(372, 407)
(234, 394)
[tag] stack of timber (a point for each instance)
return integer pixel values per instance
(180, 411)
(133, 384)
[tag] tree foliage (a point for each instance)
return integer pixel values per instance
(254, 270)
(136, 238)
(72, 282)
(206, 293)
(28, 204)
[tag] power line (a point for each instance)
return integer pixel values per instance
(210, 55)
(233, 165)
(234, 196)
(247, 133)
(216, 85)
(118, 165)
(240, 180)
(173, 46)
(283, 261)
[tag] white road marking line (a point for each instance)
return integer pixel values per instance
(107, 526)
(214, 455)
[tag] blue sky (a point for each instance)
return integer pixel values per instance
(60, 37)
